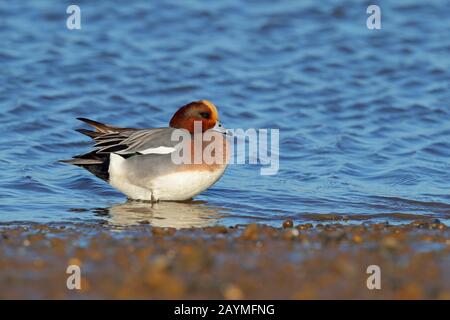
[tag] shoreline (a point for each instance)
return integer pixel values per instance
(325, 261)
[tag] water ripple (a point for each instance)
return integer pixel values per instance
(363, 114)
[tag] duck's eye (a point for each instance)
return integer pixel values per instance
(204, 115)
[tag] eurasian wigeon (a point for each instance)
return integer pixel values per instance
(139, 163)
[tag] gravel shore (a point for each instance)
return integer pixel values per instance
(242, 262)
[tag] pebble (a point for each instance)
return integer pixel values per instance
(390, 242)
(233, 292)
(288, 224)
(251, 232)
(304, 226)
(357, 238)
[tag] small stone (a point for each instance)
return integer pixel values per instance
(218, 229)
(74, 261)
(389, 243)
(304, 226)
(291, 234)
(288, 224)
(251, 232)
(357, 238)
(233, 292)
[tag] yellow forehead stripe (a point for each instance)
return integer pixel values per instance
(212, 107)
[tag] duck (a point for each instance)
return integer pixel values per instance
(140, 162)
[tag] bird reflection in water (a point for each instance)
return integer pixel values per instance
(187, 214)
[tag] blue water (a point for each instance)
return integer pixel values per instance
(363, 114)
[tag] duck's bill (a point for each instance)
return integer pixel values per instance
(220, 128)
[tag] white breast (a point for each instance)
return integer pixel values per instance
(181, 185)
(184, 185)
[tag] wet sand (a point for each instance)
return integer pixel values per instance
(242, 262)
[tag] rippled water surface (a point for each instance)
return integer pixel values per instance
(363, 114)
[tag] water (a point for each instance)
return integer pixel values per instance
(363, 114)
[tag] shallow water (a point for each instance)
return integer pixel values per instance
(363, 114)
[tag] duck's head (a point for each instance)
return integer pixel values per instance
(202, 110)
